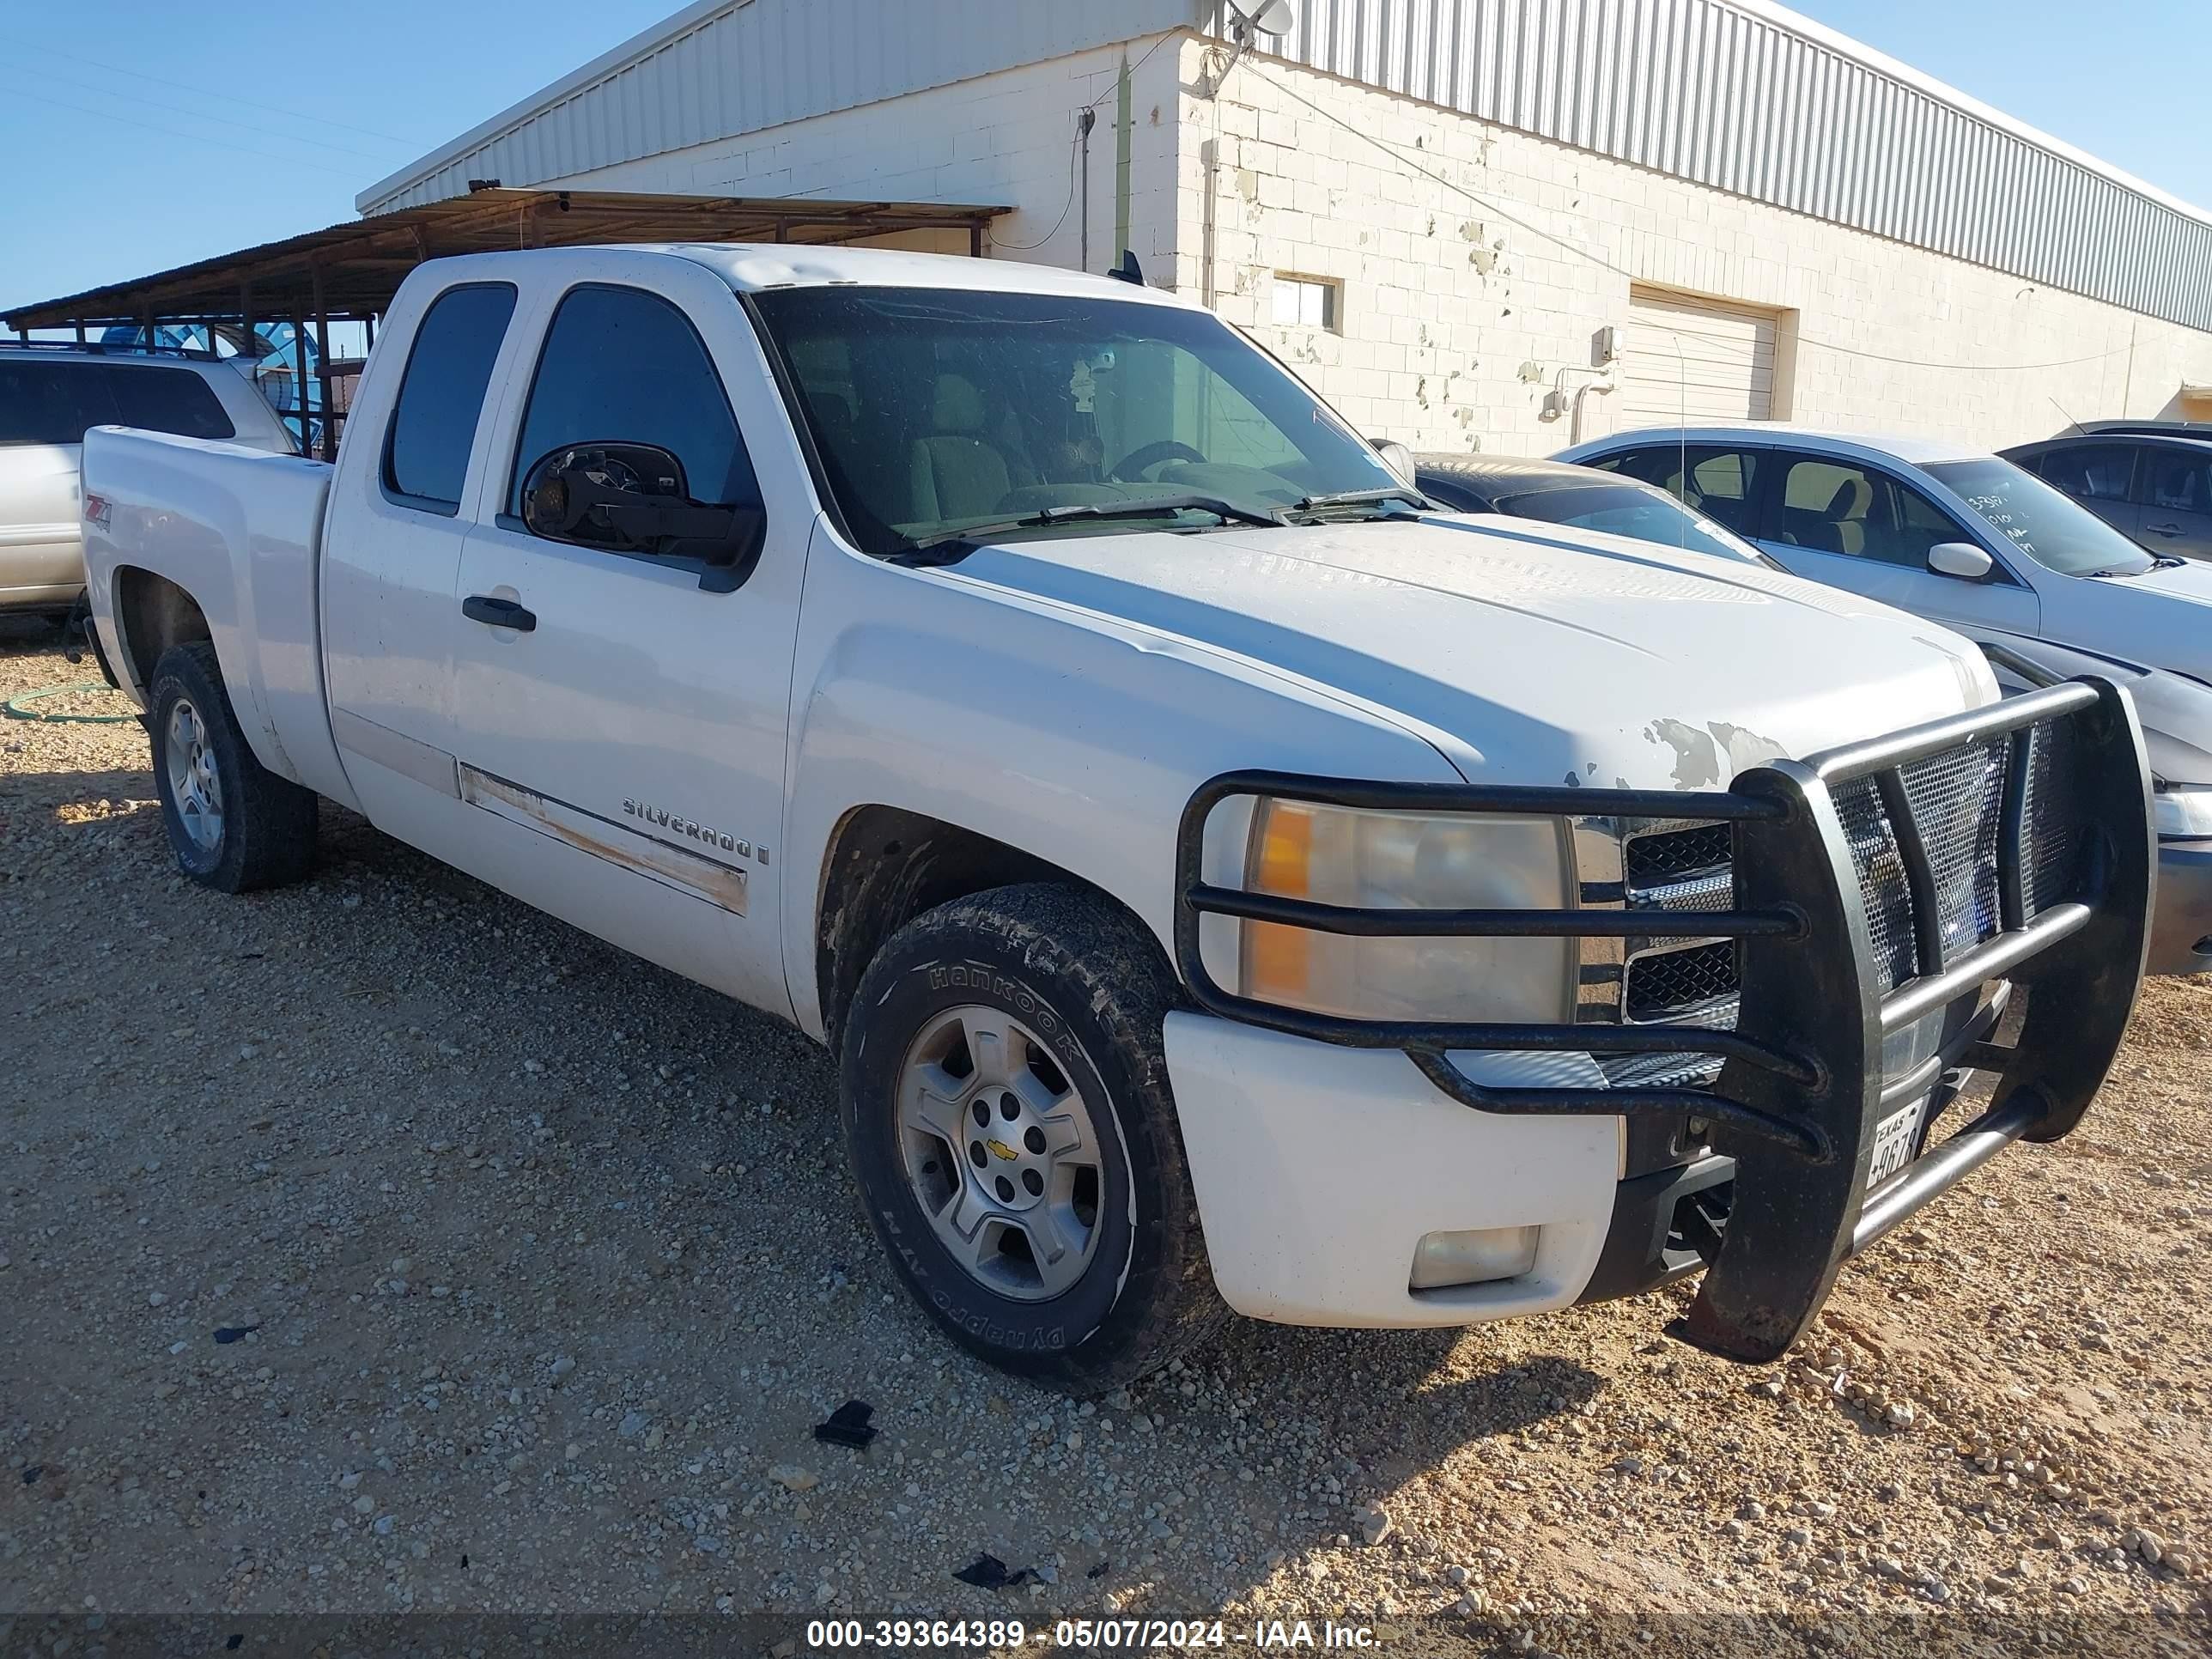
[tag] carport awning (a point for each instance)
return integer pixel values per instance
(353, 269)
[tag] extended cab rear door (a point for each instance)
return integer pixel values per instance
(620, 716)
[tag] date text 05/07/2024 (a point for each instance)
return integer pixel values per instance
(831, 1635)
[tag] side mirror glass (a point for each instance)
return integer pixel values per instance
(1395, 456)
(1960, 559)
(634, 498)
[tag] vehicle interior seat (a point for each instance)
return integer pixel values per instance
(1841, 527)
(956, 472)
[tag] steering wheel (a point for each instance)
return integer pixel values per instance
(1151, 455)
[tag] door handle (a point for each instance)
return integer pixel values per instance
(499, 613)
(2162, 529)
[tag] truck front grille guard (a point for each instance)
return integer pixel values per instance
(1801, 1090)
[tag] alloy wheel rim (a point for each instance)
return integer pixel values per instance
(195, 781)
(1000, 1152)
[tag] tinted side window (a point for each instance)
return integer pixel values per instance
(620, 365)
(2094, 472)
(1920, 525)
(1720, 483)
(168, 400)
(1837, 506)
(2176, 481)
(434, 424)
(52, 402)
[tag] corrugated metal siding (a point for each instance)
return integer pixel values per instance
(1741, 101)
(757, 63)
(1699, 89)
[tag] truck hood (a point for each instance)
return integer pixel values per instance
(1526, 653)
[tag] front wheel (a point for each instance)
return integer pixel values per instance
(1006, 1105)
(233, 824)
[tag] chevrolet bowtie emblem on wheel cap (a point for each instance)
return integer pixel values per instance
(999, 1149)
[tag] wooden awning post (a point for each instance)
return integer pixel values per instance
(323, 363)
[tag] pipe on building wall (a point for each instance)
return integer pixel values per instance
(1085, 118)
(1123, 124)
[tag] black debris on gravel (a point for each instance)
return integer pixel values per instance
(989, 1572)
(848, 1426)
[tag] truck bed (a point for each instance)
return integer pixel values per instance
(239, 530)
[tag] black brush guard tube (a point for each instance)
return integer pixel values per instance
(1801, 1090)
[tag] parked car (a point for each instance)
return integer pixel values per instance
(49, 395)
(2176, 712)
(2166, 429)
(2177, 721)
(1215, 884)
(1929, 527)
(2155, 489)
(1578, 495)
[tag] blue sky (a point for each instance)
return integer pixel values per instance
(137, 136)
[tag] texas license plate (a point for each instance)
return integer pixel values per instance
(1896, 1139)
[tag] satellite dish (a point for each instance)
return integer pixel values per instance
(1273, 18)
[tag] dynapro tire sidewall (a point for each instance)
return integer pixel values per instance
(1019, 1335)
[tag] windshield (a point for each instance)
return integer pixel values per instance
(2050, 528)
(936, 410)
(1626, 509)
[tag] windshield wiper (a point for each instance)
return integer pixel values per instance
(1412, 497)
(925, 552)
(2117, 571)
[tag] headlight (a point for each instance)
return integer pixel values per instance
(2182, 814)
(1389, 861)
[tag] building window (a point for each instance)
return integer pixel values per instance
(1307, 303)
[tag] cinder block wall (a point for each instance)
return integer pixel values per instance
(1007, 138)
(1455, 320)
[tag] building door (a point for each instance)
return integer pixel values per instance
(1688, 361)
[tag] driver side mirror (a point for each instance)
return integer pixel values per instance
(1396, 456)
(1960, 559)
(635, 499)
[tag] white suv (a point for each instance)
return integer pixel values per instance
(49, 397)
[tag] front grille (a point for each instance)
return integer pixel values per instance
(2056, 838)
(1651, 860)
(1872, 842)
(1957, 801)
(1678, 868)
(1957, 798)
(1668, 983)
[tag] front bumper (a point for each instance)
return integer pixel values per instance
(2181, 928)
(1318, 1167)
(1800, 1100)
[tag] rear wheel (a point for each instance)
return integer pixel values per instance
(233, 824)
(1006, 1105)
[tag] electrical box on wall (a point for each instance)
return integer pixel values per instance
(1605, 347)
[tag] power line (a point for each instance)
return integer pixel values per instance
(189, 137)
(112, 68)
(1604, 263)
(1073, 145)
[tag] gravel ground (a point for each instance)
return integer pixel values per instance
(369, 1247)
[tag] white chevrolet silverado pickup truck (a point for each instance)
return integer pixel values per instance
(1221, 877)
